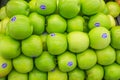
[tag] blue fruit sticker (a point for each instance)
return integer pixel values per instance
(43, 7)
(52, 34)
(104, 35)
(97, 24)
(4, 65)
(70, 63)
(13, 19)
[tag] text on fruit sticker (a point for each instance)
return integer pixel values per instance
(4, 65)
(43, 7)
(104, 35)
(13, 19)
(97, 24)
(52, 34)
(70, 63)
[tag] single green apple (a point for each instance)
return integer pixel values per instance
(5, 67)
(23, 64)
(67, 61)
(14, 75)
(77, 41)
(86, 59)
(56, 24)
(95, 73)
(56, 74)
(32, 46)
(76, 74)
(35, 74)
(46, 62)
(56, 43)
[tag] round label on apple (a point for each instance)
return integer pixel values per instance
(104, 35)
(43, 7)
(13, 19)
(4, 65)
(70, 63)
(97, 24)
(53, 34)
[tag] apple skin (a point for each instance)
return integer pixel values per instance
(95, 73)
(15, 7)
(77, 41)
(56, 74)
(67, 61)
(38, 22)
(112, 72)
(86, 59)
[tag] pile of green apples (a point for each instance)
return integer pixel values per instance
(59, 40)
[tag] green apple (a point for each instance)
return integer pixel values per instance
(115, 37)
(77, 41)
(38, 22)
(32, 4)
(19, 27)
(99, 20)
(4, 23)
(56, 43)
(86, 59)
(9, 48)
(37, 75)
(95, 73)
(56, 74)
(32, 46)
(44, 40)
(3, 13)
(112, 72)
(112, 20)
(0, 27)
(4, 78)
(69, 8)
(99, 38)
(75, 24)
(5, 67)
(76, 74)
(67, 61)
(106, 56)
(56, 24)
(118, 56)
(23, 64)
(45, 62)
(15, 7)
(114, 8)
(14, 75)
(105, 10)
(92, 7)
(45, 7)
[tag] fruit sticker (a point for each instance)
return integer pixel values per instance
(70, 63)
(13, 19)
(4, 65)
(43, 7)
(97, 24)
(104, 35)
(53, 34)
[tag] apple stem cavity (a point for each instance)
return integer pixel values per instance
(53, 34)
(97, 24)
(53, 70)
(104, 35)
(43, 7)
(70, 63)
(4, 65)
(13, 19)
